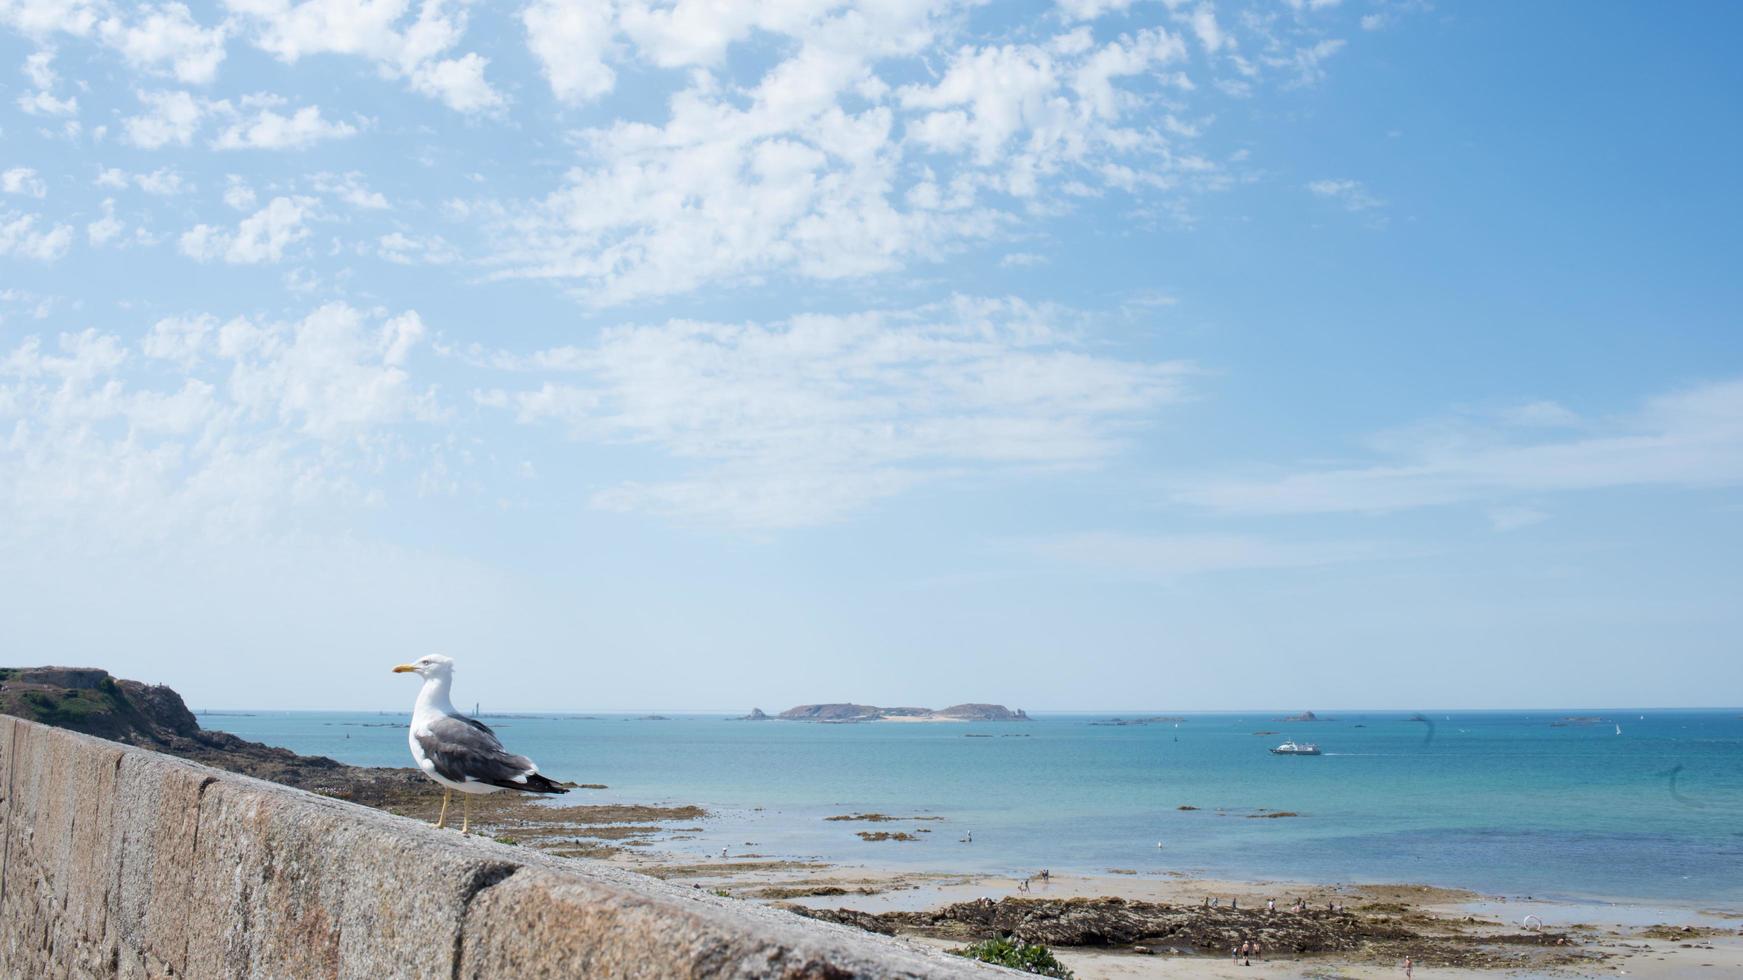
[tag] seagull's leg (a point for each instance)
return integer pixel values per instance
(465, 811)
(442, 817)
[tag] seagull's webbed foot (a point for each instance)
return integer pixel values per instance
(442, 818)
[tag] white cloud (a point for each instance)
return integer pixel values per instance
(167, 34)
(260, 417)
(260, 237)
(1206, 28)
(1688, 439)
(807, 420)
(107, 228)
(458, 82)
(1307, 62)
(822, 170)
(179, 339)
(1542, 415)
(350, 189)
(163, 182)
(22, 180)
(38, 67)
(269, 130)
(1091, 9)
(170, 117)
(20, 236)
(570, 39)
(687, 33)
(174, 117)
(403, 249)
(237, 193)
(41, 18)
(413, 49)
(1348, 193)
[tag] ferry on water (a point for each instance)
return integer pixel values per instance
(1292, 748)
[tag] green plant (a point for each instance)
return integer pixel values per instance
(1034, 958)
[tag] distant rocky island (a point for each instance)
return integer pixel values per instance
(846, 713)
(1304, 716)
(1151, 720)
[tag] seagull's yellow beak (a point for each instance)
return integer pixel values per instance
(405, 669)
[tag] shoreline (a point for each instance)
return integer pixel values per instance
(1447, 931)
(1122, 923)
(1147, 925)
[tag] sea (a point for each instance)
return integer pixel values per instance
(1616, 805)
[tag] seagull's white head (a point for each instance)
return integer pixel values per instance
(434, 665)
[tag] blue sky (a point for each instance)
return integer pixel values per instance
(1079, 356)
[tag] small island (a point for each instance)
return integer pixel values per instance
(849, 713)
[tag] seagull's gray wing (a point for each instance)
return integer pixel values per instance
(464, 750)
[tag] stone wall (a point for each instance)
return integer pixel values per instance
(118, 862)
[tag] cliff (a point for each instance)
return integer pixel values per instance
(152, 716)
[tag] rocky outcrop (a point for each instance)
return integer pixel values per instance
(152, 716)
(832, 712)
(1304, 716)
(844, 712)
(756, 714)
(981, 712)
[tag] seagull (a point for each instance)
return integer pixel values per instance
(459, 752)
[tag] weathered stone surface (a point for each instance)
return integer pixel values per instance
(621, 925)
(119, 862)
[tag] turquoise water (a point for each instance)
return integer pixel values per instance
(1503, 802)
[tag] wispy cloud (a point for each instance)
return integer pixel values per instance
(257, 416)
(1350, 194)
(1691, 438)
(806, 420)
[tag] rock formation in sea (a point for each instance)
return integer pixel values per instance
(981, 712)
(1304, 716)
(756, 714)
(846, 712)
(832, 712)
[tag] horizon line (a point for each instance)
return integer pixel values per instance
(1030, 711)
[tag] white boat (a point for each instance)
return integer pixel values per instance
(1292, 748)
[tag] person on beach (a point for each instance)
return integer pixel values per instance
(1235, 903)
(1270, 905)
(1408, 968)
(1256, 953)
(1235, 955)
(1246, 953)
